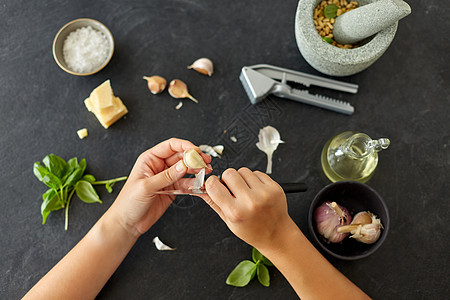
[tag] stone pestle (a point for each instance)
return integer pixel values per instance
(366, 20)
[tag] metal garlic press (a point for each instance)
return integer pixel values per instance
(261, 80)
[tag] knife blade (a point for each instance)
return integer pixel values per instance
(291, 187)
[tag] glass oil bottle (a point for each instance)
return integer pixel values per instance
(351, 156)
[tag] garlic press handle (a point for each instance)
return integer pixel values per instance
(284, 91)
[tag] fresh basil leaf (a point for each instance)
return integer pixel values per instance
(256, 255)
(242, 274)
(73, 163)
(263, 275)
(74, 177)
(82, 165)
(50, 203)
(327, 39)
(330, 11)
(55, 164)
(39, 171)
(86, 192)
(46, 177)
(89, 178)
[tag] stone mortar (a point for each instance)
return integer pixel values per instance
(332, 60)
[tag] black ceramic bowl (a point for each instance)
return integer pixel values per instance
(356, 197)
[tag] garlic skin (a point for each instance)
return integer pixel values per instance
(269, 138)
(215, 151)
(367, 233)
(199, 180)
(192, 159)
(156, 84)
(178, 89)
(203, 65)
(329, 216)
(160, 245)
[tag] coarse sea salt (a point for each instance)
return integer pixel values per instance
(85, 50)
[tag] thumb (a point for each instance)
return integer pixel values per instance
(167, 177)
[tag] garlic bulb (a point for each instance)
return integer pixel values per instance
(203, 65)
(156, 84)
(192, 159)
(329, 216)
(269, 138)
(364, 230)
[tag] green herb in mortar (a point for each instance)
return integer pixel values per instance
(64, 179)
(246, 271)
(330, 11)
(327, 39)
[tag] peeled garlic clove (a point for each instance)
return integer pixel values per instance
(178, 89)
(203, 65)
(192, 159)
(156, 84)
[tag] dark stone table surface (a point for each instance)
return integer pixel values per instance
(403, 96)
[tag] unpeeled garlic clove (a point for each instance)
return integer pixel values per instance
(367, 233)
(362, 218)
(178, 89)
(203, 65)
(156, 84)
(192, 159)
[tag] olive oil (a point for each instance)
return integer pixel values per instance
(351, 156)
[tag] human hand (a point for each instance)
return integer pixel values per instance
(252, 205)
(137, 207)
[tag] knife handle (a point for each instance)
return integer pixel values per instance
(294, 187)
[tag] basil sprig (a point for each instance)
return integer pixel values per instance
(246, 271)
(64, 179)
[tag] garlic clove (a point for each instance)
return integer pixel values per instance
(362, 217)
(156, 84)
(192, 159)
(178, 89)
(203, 65)
(367, 233)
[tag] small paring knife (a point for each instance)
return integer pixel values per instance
(287, 188)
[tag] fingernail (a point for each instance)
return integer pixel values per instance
(180, 167)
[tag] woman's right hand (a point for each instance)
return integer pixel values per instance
(252, 205)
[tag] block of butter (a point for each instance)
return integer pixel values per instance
(105, 106)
